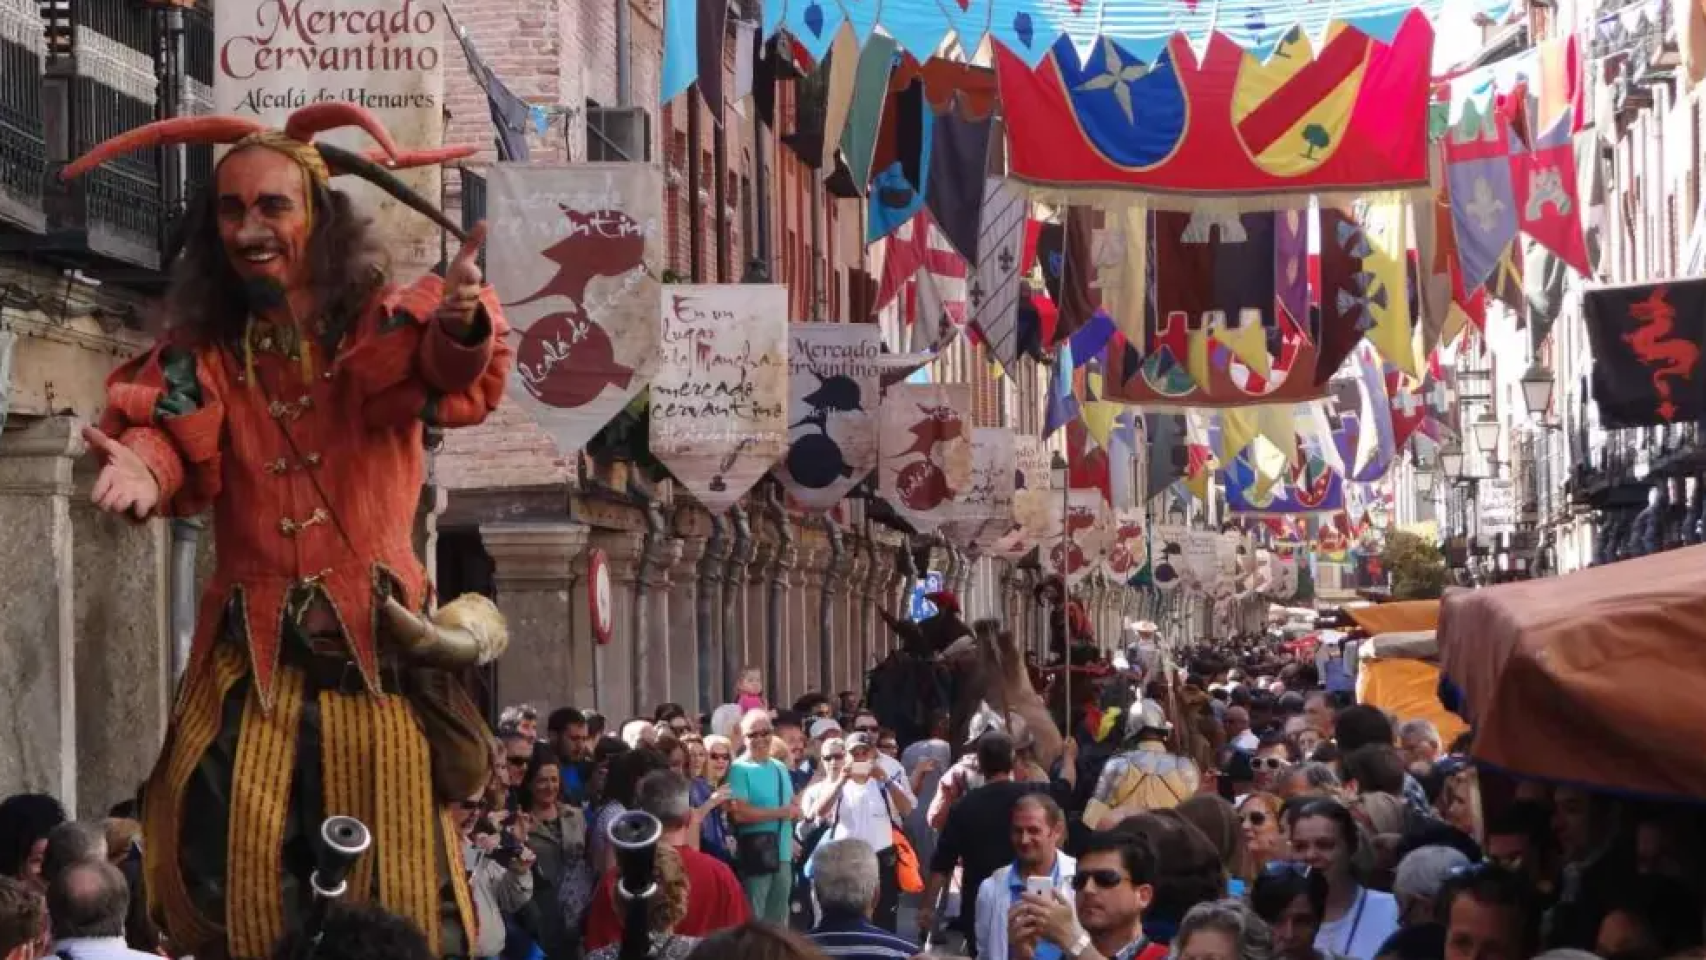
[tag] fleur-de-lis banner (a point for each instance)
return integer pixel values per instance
(834, 391)
(574, 253)
(720, 399)
(925, 449)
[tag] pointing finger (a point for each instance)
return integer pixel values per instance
(103, 445)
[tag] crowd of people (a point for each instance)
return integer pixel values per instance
(1228, 807)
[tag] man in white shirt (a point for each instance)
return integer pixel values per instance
(1038, 830)
(859, 799)
(86, 904)
(866, 723)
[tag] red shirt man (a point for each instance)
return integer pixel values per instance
(715, 900)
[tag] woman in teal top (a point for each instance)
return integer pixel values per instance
(762, 801)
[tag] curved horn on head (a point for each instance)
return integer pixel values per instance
(302, 125)
(342, 162)
(430, 157)
(163, 133)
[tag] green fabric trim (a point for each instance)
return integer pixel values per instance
(395, 320)
(182, 389)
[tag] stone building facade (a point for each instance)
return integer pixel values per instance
(95, 617)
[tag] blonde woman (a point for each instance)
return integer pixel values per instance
(664, 909)
(708, 792)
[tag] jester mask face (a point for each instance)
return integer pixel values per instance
(265, 216)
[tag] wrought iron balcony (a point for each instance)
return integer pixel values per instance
(101, 78)
(23, 154)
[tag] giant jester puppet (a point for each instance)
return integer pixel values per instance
(288, 395)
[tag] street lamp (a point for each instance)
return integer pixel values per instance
(1487, 434)
(1425, 483)
(1451, 458)
(1060, 472)
(1537, 386)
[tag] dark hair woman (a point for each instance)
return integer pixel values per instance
(1292, 899)
(1357, 920)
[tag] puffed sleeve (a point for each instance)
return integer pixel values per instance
(162, 406)
(409, 367)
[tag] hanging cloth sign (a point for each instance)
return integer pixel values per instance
(834, 387)
(573, 254)
(925, 449)
(985, 509)
(720, 399)
(1167, 548)
(1125, 557)
(1036, 507)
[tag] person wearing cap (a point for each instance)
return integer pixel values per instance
(858, 798)
(1146, 777)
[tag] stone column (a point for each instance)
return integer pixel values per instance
(826, 630)
(539, 572)
(38, 703)
(680, 630)
(732, 636)
(620, 664)
(757, 606)
(660, 551)
(778, 591)
(124, 648)
(708, 603)
(802, 642)
(871, 643)
(848, 603)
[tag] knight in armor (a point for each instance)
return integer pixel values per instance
(1147, 776)
(288, 395)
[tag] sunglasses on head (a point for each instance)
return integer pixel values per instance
(1287, 868)
(1105, 879)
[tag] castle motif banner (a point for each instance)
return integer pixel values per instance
(574, 252)
(272, 57)
(719, 402)
(835, 386)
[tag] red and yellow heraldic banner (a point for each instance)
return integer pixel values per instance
(1340, 114)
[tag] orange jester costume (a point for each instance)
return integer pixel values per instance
(290, 399)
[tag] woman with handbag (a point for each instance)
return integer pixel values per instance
(858, 799)
(763, 806)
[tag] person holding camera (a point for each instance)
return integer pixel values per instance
(500, 876)
(859, 799)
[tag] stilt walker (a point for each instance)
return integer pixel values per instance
(288, 394)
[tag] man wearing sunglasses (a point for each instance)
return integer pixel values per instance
(1113, 887)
